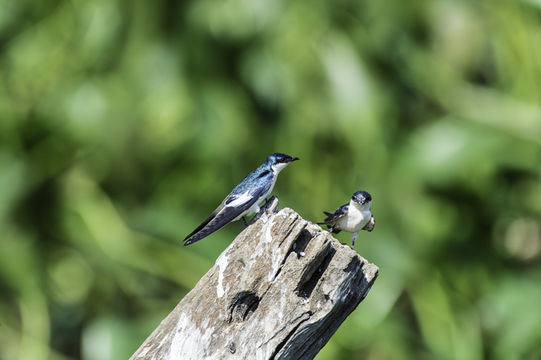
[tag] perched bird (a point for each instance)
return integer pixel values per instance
(244, 198)
(352, 217)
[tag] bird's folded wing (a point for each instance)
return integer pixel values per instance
(231, 208)
(370, 224)
(339, 213)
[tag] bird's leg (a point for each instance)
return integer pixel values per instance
(266, 201)
(244, 221)
(353, 238)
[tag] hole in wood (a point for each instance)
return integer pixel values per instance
(298, 246)
(243, 305)
(314, 271)
(301, 242)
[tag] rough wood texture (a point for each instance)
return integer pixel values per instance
(279, 291)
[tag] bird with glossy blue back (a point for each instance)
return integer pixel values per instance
(244, 198)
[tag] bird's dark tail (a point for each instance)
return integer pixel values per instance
(196, 232)
(202, 233)
(195, 238)
(204, 230)
(217, 220)
(328, 214)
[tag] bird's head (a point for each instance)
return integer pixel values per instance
(362, 198)
(278, 161)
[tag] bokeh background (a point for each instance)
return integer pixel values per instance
(124, 123)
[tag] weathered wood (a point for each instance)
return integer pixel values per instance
(279, 291)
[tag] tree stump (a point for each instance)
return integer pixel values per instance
(279, 291)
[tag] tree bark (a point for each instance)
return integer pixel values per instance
(279, 291)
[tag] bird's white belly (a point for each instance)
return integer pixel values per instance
(355, 220)
(255, 207)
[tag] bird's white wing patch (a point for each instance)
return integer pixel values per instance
(240, 200)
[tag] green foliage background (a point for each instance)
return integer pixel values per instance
(124, 123)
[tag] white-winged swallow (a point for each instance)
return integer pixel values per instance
(352, 217)
(245, 197)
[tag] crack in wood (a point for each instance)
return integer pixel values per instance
(314, 271)
(306, 317)
(291, 227)
(303, 238)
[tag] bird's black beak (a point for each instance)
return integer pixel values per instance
(293, 158)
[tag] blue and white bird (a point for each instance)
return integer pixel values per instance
(352, 217)
(245, 197)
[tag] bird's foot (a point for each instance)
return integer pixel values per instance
(244, 221)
